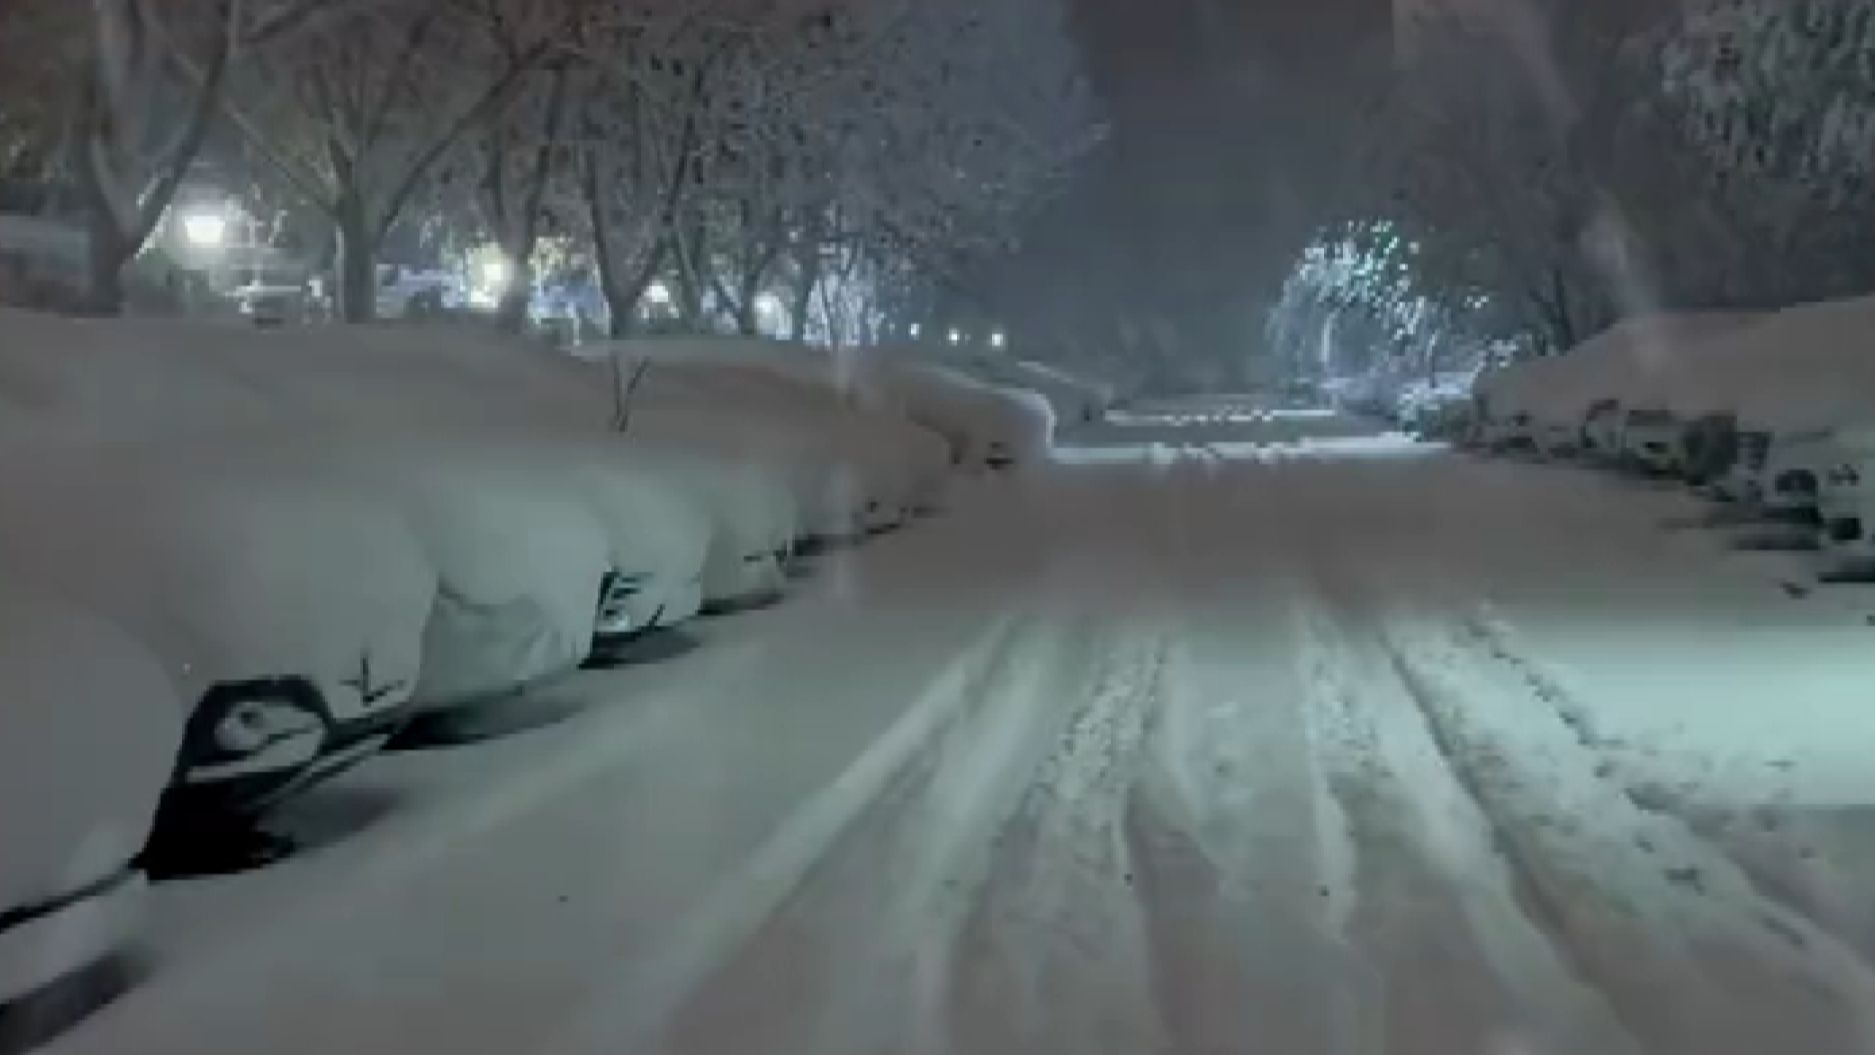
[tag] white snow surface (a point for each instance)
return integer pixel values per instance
(92, 726)
(1644, 362)
(969, 414)
(1805, 367)
(225, 567)
(1211, 737)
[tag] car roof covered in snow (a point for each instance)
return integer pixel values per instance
(1808, 366)
(1641, 362)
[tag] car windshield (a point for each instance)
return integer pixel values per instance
(955, 527)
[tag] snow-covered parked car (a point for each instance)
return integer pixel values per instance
(1072, 399)
(89, 730)
(1846, 503)
(512, 558)
(1710, 448)
(1503, 420)
(1653, 441)
(288, 614)
(1794, 467)
(458, 381)
(1742, 480)
(856, 471)
(986, 426)
(1503, 433)
(519, 554)
(1601, 431)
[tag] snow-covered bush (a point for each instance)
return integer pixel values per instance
(89, 728)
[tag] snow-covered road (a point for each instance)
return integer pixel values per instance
(1197, 742)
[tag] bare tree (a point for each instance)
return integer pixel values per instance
(143, 111)
(358, 110)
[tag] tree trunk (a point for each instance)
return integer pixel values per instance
(357, 264)
(804, 295)
(105, 259)
(511, 312)
(747, 325)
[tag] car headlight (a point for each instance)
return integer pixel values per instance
(252, 725)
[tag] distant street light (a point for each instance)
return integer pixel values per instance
(916, 331)
(496, 273)
(206, 229)
(999, 340)
(769, 312)
(957, 337)
(658, 294)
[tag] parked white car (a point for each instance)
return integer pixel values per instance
(519, 554)
(1743, 481)
(1794, 468)
(288, 614)
(417, 293)
(1846, 503)
(1601, 431)
(1073, 400)
(89, 730)
(1558, 439)
(1651, 440)
(986, 426)
(1506, 432)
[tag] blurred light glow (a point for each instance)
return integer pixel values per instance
(999, 340)
(916, 331)
(658, 294)
(495, 273)
(956, 337)
(205, 228)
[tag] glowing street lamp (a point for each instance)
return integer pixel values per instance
(956, 337)
(658, 295)
(916, 331)
(999, 340)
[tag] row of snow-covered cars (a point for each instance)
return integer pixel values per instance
(1773, 412)
(233, 563)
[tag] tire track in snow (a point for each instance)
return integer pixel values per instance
(864, 956)
(698, 993)
(1241, 859)
(1667, 927)
(1457, 962)
(1779, 857)
(1055, 956)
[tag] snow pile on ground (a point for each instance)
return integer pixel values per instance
(89, 727)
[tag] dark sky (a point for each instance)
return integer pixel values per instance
(1231, 122)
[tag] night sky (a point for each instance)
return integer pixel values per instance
(1231, 121)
